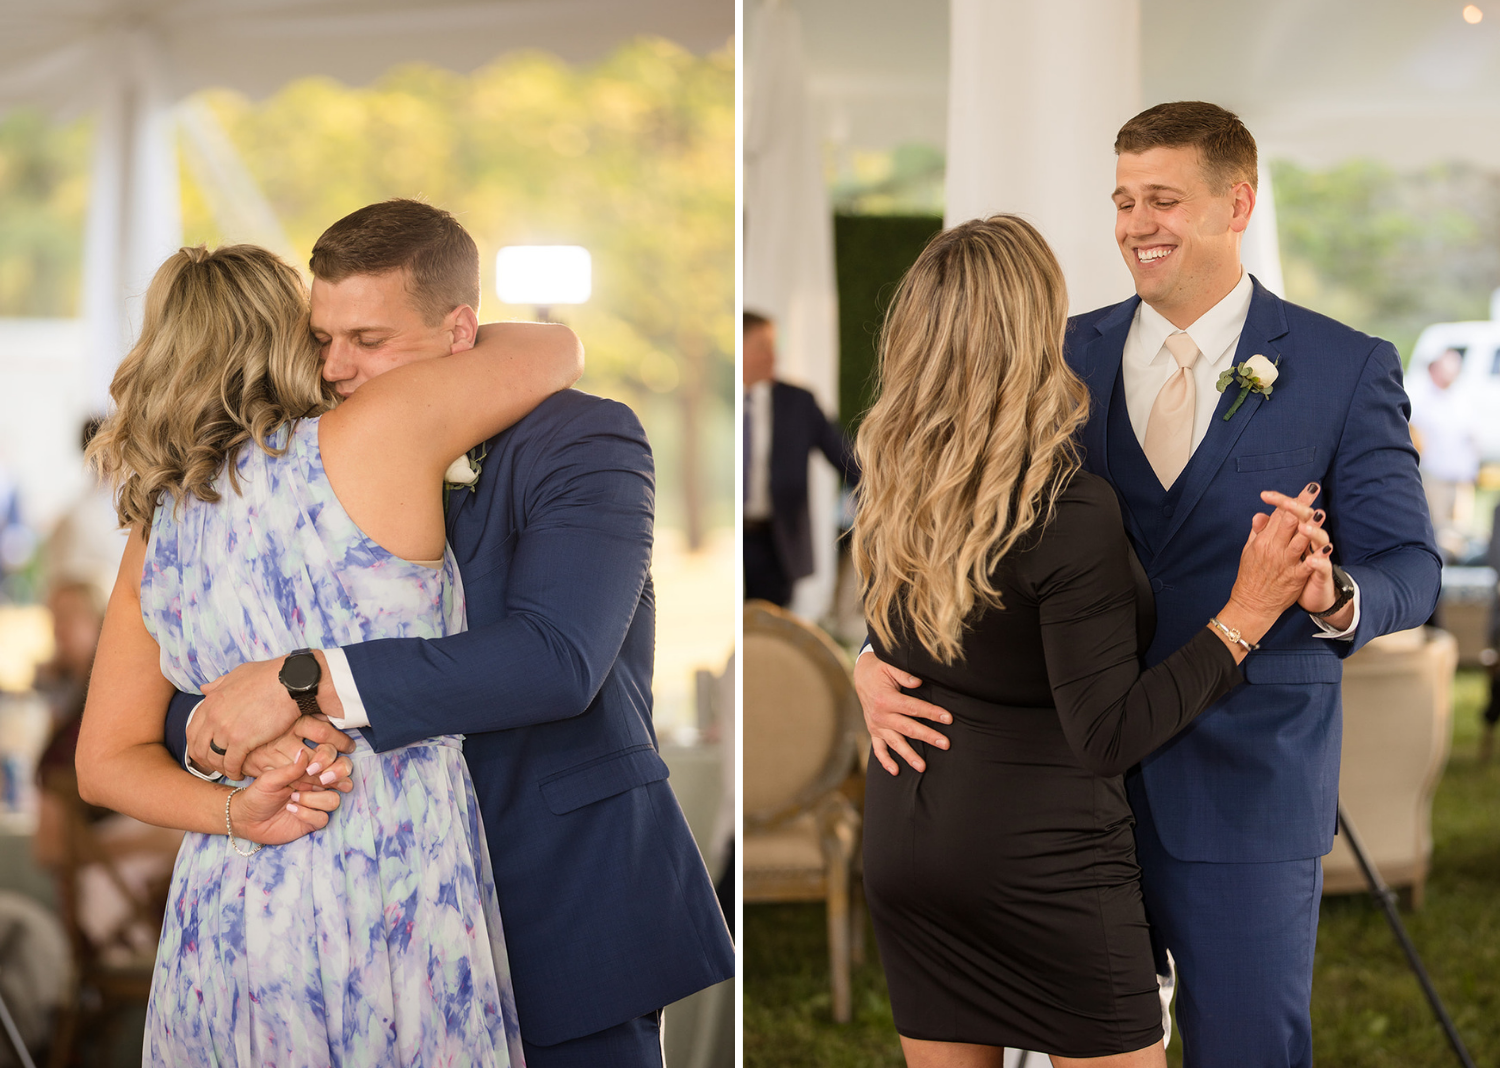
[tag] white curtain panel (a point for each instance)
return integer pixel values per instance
(789, 272)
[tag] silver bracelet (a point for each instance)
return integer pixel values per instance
(229, 828)
(1233, 635)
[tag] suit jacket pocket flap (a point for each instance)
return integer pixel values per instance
(1272, 667)
(1269, 461)
(611, 775)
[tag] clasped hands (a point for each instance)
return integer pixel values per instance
(1293, 532)
(249, 715)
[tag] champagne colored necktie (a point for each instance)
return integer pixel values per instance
(1169, 430)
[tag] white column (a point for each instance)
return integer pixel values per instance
(1037, 92)
(789, 271)
(135, 211)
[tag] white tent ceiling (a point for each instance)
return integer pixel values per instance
(59, 53)
(1406, 81)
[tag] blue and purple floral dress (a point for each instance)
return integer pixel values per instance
(375, 941)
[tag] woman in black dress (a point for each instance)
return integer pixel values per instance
(1002, 880)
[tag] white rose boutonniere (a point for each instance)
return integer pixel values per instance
(1255, 375)
(463, 473)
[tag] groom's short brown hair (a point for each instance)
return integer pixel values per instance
(440, 258)
(1224, 145)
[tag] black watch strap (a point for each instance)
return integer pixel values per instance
(1345, 587)
(308, 703)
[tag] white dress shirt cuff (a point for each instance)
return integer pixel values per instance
(1347, 634)
(863, 649)
(342, 679)
(187, 761)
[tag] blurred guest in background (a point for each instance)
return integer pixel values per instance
(17, 540)
(87, 542)
(117, 880)
(783, 425)
(1450, 453)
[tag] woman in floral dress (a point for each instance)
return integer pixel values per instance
(375, 940)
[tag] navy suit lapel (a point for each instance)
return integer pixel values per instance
(1100, 365)
(1265, 323)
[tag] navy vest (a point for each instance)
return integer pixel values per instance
(1134, 479)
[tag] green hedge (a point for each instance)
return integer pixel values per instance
(872, 252)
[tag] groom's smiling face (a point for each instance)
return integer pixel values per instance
(1179, 233)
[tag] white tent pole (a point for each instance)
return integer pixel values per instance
(135, 215)
(154, 221)
(1037, 92)
(104, 245)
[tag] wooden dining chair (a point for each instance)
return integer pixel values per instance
(802, 833)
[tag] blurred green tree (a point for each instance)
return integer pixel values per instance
(633, 158)
(43, 205)
(1386, 252)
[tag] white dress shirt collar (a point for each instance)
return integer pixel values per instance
(1215, 332)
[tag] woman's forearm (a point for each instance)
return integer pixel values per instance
(144, 782)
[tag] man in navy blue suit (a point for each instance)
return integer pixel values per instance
(1232, 814)
(609, 913)
(783, 426)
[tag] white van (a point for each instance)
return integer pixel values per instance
(1478, 381)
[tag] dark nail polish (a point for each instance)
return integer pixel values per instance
(1312, 487)
(1320, 515)
(1327, 549)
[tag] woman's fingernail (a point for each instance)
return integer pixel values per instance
(296, 795)
(291, 807)
(1327, 549)
(1312, 487)
(314, 767)
(1320, 515)
(327, 777)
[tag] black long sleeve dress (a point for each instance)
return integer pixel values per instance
(1002, 881)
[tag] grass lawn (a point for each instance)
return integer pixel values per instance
(1368, 1011)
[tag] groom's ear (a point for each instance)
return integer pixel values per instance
(463, 327)
(1243, 195)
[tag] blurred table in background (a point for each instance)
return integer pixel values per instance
(699, 1029)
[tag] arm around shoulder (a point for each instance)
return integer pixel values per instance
(577, 579)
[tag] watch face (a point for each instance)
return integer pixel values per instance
(300, 672)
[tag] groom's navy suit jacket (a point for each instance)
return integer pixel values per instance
(608, 911)
(1255, 778)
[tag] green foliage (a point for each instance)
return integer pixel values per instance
(1389, 253)
(43, 205)
(905, 180)
(872, 252)
(1368, 1011)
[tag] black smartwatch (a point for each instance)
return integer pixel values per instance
(1344, 585)
(300, 674)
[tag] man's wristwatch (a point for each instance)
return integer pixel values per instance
(1344, 585)
(300, 674)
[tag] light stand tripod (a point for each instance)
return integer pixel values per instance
(1387, 899)
(14, 1034)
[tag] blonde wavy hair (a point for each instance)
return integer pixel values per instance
(225, 356)
(971, 439)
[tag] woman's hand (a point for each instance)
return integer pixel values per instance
(326, 767)
(1282, 555)
(272, 810)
